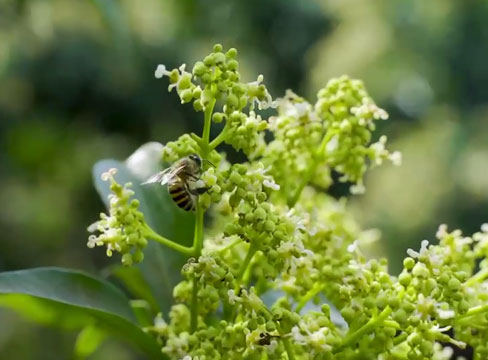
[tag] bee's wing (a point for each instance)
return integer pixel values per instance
(164, 176)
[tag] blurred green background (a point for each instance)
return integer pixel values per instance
(77, 85)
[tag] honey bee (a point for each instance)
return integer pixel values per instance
(181, 179)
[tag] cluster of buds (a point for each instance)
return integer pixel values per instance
(122, 229)
(349, 114)
(217, 78)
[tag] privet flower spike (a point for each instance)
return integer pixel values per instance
(271, 233)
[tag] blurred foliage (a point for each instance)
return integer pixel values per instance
(76, 85)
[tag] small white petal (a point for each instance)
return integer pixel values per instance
(352, 247)
(332, 144)
(271, 184)
(484, 228)
(412, 253)
(396, 158)
(160, 71)
(446, 314)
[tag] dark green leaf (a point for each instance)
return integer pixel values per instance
(74, 300)
(132, 279)
(161, 266)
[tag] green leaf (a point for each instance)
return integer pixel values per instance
(161, 266)
(88, 340)
(73, 300)
(133, 280)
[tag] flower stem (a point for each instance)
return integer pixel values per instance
(220, 137)
(319, 154)
(473, 311)
(399, 339)
(230, 246)
(247, 260)
(198, 234)
(479, 276)
(317, 288)
(283, 338)
(150, 233)
(288, 348)
(366, 328)
(206, 128)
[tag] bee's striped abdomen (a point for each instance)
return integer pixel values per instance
(180, 195)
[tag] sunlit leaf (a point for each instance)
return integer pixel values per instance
(88, 340)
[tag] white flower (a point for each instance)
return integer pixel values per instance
(297, 336)
(396, 158)
(109, 174)
(357, 189)
(233, 298)
(269, 183)
(333, 144)
(369, 109)
(446, 314)
(161, 71)
(352, 247)
(263, 104)
(159, 322)
(441, 232)
(484, 228)
(423, 249)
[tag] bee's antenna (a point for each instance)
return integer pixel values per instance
(209, 162)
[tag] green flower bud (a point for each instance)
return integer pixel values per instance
(260, 214)
(453, 284)
(405, 278)
(127, 260)
(235, 178)
(419, 270)
(269, 226)
(231, 53)
(218, 117)
(186, 96)
(199, 69)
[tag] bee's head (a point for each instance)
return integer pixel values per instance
(196, 159)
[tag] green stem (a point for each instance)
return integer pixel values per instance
(206, 128)
(150, 233)
(479, 276)
(317, 288)
(400, 339)
(247, 260)
(473, 311)
(284, 340)
(366, 328)
(198, 234)
(288, 348)
(319, 154)
(220, 137)
(230, 246)
(392, 323)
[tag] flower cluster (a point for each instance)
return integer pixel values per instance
(122, 230)
(349, 114)
(217, 78)
(278, 247)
